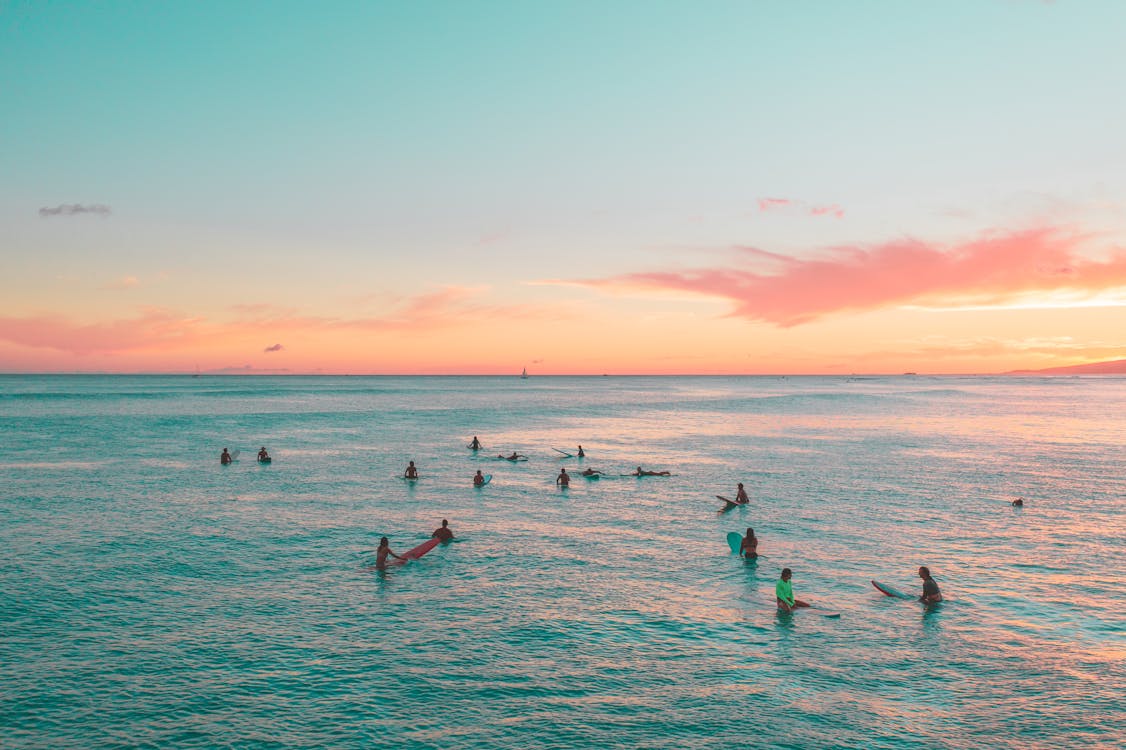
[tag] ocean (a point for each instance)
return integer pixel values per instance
(151, 597)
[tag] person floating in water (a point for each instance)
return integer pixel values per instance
(514, 457)
(443, 534)
(931, 594)
(478, 479)
(225, 458)
(476, 444)
(642, 473)
(784, 593)
(263, 455)
(411, 472)
(382, 553)
(748, 548)
(1018, 503)
(580, 454)
(564, 479)
(741, 496)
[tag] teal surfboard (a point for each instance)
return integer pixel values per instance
(889, 591)
(734, 541)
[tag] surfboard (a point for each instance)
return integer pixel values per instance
(734, 541)
(265, 460)
(889, 591)
(565, 453)
(730, 504)
(415, 553)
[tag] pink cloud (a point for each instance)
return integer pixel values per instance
(834, 210)
(155, 329)
(991, 269)
(770, 204)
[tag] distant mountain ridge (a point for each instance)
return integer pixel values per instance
(1112, 367)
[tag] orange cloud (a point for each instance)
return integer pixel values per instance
(990, 270)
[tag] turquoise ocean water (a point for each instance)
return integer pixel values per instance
(151, 597)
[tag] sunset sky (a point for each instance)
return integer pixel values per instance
(571, 187)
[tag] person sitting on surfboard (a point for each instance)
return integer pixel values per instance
(443, 534)
(748, 549)
(564, 479)
(931, 594)
(642, 473)
(263, 455)
(784, 593)
(225, 458)
(476, 444)
(580, 454)
(382, 553)
(479, 479)
(741, 496)
(411, 472)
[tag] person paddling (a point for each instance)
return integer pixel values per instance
(643, 473)
(382, 553)
(784, 593)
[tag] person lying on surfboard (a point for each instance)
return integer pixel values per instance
(443, 533)
(784, 593)
(515, 456)
(931, 594)
(382, 553)
(749, 547)
(642, 473)
(478, 479)
(591, 473)
(411, 472)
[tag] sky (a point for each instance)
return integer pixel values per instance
(569, 187)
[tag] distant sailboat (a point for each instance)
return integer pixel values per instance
(524, 375)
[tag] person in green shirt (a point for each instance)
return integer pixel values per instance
(784, 592)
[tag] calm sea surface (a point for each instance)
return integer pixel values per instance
(152, 597)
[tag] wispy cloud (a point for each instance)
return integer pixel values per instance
(274, 348)
(154, 329)
(992, 270)
(75, 209)
(792, 205)
(125, 282)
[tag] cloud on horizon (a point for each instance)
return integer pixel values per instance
(75, 209)
(992, 270)
(274, 348)
(769, 205)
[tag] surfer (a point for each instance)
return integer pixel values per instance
(514, 457)
(1018, 503)
(580, 454)
(931, 594)
(479, 479)
(642, 473)
(476, 444)
(564, 479)
(741, 496)
(443, 534)
(225, 458)
(382, 553)
(263, 455)
(411, 472)
(591, 473)
(748, 549)
(784, 593)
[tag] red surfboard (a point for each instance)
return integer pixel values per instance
(417, 552)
